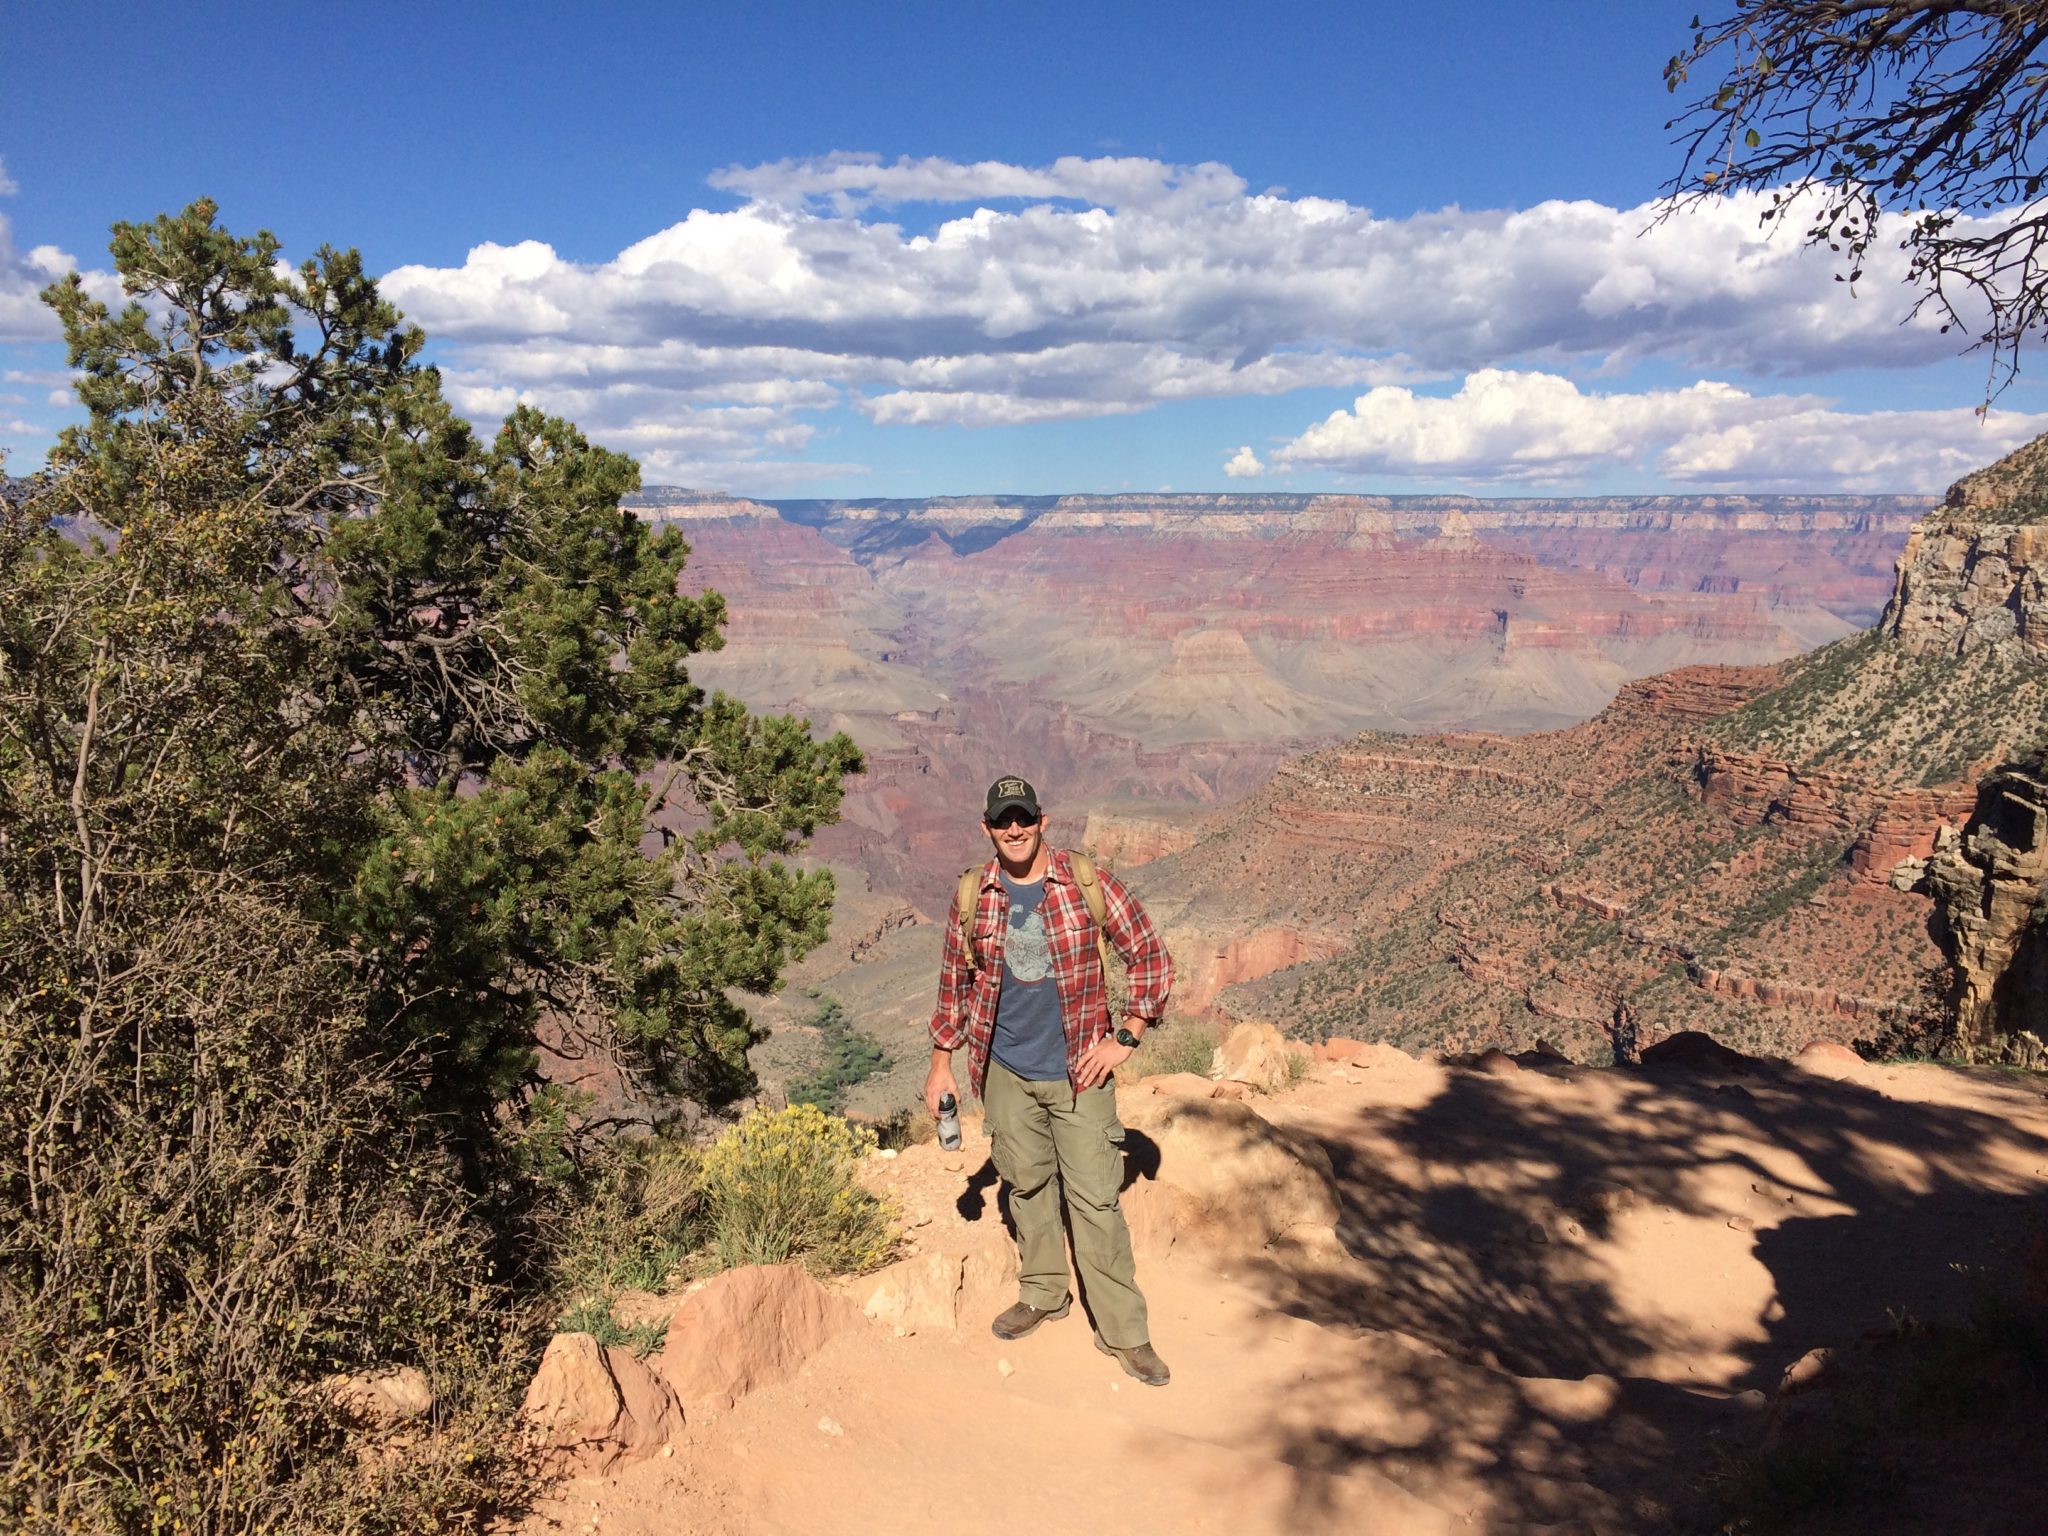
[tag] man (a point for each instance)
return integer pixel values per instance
(1030, 1003)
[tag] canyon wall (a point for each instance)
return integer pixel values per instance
(1992, 886)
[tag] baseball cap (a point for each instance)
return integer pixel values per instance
(1011, 793)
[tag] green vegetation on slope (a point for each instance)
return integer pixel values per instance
(846, 1057)
(1927, 718)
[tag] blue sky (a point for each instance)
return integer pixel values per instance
(931, 249)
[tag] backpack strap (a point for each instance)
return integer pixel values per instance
(1083, 868)
(968, 896)
(965, 900)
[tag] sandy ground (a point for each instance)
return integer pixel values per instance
(1554, 1295)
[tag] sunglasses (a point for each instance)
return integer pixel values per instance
(1011, 819)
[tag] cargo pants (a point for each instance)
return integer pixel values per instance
(1050, 1140)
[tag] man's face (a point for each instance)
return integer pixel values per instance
(1016, 837)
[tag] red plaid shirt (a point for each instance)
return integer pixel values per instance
(968, 990)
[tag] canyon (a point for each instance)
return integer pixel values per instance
(1452, 774)
(1141, 655)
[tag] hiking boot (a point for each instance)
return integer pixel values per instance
(1141, 1361)
(1015, 1322)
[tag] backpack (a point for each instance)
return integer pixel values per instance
(968, 897)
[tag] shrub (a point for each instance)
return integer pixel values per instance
(632, 1224)
(780, 1187)
(1182, 1048)
(245, 1209)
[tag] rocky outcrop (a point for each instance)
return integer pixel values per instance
(1964, 586)
(743, 1329)
(1890, 824)
(1257, 1054)
(1235, 1183)
(1991, 884)
(1124, 840)
(1824, 1002)
(591, 1409)
(864, 947)
(916, 1294)
(381, 1400)
(1204, 968)
(1690, 693)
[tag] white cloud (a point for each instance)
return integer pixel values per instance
(1538, 428)
(23, 277)
(8, 185)
(60, 397)
(1243, 464)
(1093, 287)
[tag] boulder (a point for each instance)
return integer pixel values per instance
(1380, 1053)
(746, 1328)
(1827, 1058)
(1191, 1085)
(914, 1294)
(990, 1268)
(1496, 1062)
(1255, 1053)
(1692, 1050)
(1152, 1211)
(1805, 1373)
(592, 1409)
(1239, 1184)
(381, 1400)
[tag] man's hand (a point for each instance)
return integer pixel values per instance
(939, 1081)
(1099, 1060)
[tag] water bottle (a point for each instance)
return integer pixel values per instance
(949, 1122)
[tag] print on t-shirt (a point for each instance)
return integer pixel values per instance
(1029, 956)
(1029, 1038)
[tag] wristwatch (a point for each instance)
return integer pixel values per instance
(1126, 1039)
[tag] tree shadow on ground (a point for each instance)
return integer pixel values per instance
(1475, 1274)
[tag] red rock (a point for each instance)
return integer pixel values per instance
(913, 1295)
(1496, 1062)
(1254, 1053)
(592, 1409)
(1186, 1085)
(746, 1328)
(1237, 1183)
(1690, 1050)
(1805, 1373)
(1828, 1058)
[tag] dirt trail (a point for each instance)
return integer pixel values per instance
(1551, 1294)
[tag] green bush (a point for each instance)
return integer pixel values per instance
(781, 1187)
(1183, 1047)
(634, 1223)
(334, 744)
(190, 1244)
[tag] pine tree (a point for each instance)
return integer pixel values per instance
(347, 763)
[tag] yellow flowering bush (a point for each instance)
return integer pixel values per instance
(780, 1187)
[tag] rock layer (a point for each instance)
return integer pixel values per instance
(1992, 886)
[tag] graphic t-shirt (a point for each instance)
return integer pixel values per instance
(1029, 1039)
